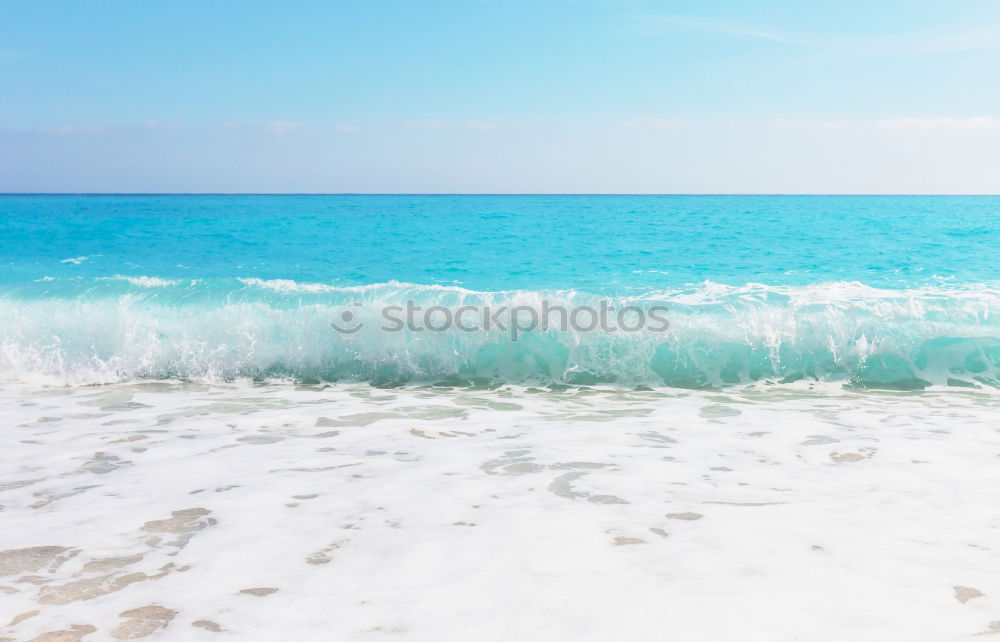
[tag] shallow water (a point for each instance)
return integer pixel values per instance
(808, 450)
(349, 512)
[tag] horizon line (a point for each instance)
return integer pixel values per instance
(499, 194)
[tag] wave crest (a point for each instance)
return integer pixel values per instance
(74, 331)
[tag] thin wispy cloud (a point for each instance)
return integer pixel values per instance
(977, 39)
(711, 27)
(927, 125)
(956, 39)
(8, 55)
(159, 124)
(280, 127)
(482, 125)
(659, 124)
(799, 123)
(69, 130)
(424, 124)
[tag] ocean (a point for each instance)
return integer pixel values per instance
(486, 417)
(888, 292)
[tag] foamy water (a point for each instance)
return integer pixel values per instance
(193, 447)
(203, 512)
(109, 330)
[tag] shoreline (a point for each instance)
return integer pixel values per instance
(590, 514)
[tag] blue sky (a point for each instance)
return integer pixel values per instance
(500, 96)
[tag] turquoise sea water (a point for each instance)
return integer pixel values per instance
(880, 291)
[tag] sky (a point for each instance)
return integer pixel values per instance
(500, 96)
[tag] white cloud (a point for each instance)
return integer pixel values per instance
(347, 128)
(926, 125)
(283, 127)
(660, 124)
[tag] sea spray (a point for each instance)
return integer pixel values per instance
(103, 330)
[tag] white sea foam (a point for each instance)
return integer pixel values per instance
(352, 513)
(287, 285)
(148, 281)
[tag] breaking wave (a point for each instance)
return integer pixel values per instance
(91, 331)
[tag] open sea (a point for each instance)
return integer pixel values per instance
(353, 417)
